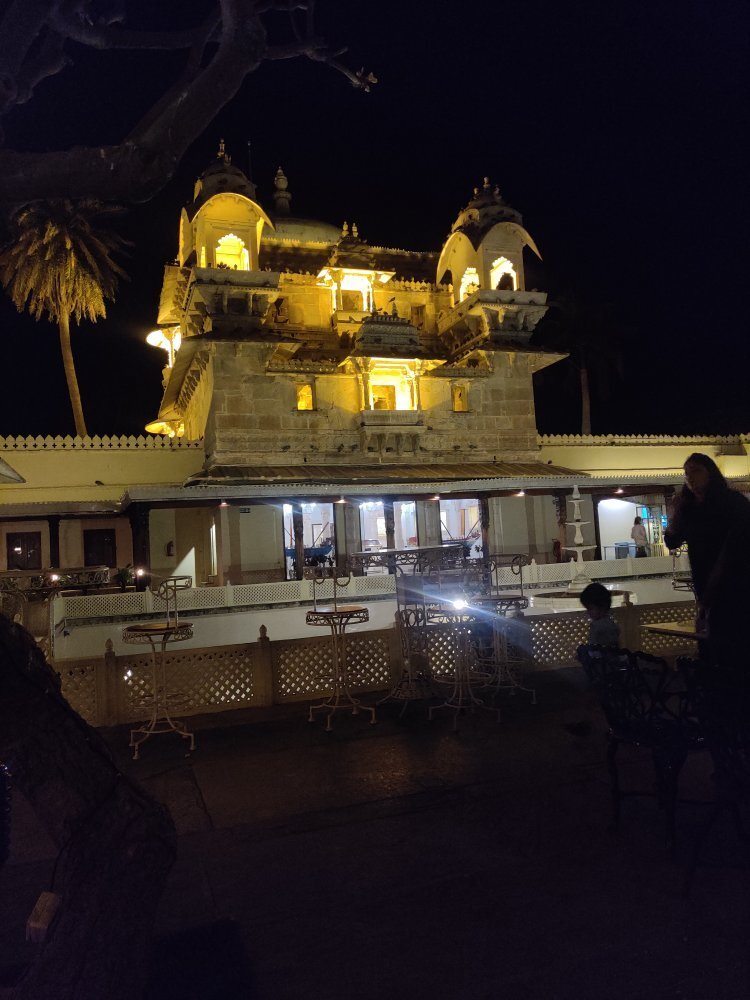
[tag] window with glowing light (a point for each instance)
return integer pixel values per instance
(503, 275)
(305, 397)
(459, 522)
(356, 292)
(392, 386)
(318, 536)
(352, 301)
(231, 252)
(469, 283)
(460, 398)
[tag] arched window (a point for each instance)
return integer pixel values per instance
(459, 398)
(503, 275)
(231, 252)
(469, 283)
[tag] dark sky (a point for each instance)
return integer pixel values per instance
(617, 130)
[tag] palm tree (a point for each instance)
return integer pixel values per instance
(59, 262)
(593, 336)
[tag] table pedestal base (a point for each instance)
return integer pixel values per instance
(460, 699)
(158, 636)
(159, 723)
(337, 619)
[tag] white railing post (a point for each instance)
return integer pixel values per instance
(228, 595)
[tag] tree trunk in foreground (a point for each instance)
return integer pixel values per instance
(585, 401)
(70, 375)
(116, 844)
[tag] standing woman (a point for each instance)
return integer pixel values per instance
(714, 521)
(639, 536)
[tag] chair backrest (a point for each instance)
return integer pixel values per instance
(628, 688)
(168, 590)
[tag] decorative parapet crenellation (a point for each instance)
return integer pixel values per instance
(150, 442)
(641, 439)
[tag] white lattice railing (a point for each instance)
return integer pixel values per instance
(554, 638)
(536, 574)
(114, 689)
(129, 603)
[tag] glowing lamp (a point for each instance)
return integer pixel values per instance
(459, 604)
(157, 339)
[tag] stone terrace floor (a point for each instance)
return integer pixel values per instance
(405, 860)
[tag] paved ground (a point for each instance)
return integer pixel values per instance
(405, 860)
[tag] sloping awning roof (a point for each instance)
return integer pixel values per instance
(8, 474)
(343, 474)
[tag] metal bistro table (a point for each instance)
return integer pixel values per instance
(500, 610)
(461, 619)
(157, 635)
(337, 617)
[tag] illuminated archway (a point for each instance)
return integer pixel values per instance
(503, 275)
(469, 283)
(231, 252)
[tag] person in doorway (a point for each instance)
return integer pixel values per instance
(714, 521)
(639, 536)
(603, 629)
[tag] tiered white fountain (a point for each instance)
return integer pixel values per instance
(568, 600)
(581, 578)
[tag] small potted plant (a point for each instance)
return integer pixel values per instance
(124, 576)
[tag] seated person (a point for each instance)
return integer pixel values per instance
(603, 630)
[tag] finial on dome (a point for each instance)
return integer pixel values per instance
(355, 231)
(221, 155)
(345, 230)
(281, 196)
(486, 183)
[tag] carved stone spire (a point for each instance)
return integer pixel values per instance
(281, 196)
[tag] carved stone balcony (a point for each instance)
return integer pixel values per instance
(491, 320)
(391, 431)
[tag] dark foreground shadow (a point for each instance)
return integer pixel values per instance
(202, 963)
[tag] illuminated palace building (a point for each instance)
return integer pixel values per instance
(323, 397)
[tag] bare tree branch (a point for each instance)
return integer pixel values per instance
(20, 28)
(101, 36)
(146, 159)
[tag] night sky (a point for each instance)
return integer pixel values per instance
(617, 130)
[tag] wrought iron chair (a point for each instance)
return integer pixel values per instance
(649, 705)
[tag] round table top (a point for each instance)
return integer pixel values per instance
(328, 613)
(148, 630)
(502, 602)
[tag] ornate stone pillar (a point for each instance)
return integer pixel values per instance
(299, 541)
(390, 523)
(484, 522)
(353, 527)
